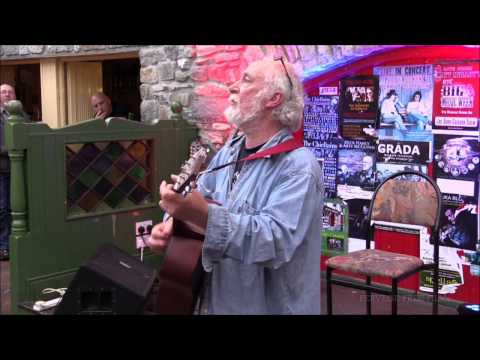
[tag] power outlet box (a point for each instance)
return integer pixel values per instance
(142, 224)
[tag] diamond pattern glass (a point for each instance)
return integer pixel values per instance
(108, 175)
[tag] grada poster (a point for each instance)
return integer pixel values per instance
(403, 151)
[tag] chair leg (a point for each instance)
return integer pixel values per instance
(435, 291)
(369, 297)
(329, 291)
(394, 296)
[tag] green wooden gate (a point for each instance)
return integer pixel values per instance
(77, 187)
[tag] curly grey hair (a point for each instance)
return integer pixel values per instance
(290, 112)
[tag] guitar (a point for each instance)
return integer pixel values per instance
(181, 274)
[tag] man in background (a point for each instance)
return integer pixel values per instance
(103, 108)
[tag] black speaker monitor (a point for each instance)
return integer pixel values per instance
(112, 282)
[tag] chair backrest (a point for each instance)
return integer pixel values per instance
(407, 197)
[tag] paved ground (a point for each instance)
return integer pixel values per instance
(345, 300)
(5, 287)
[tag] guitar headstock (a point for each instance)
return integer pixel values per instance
(190, 170)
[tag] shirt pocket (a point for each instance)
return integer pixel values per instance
(248, 209)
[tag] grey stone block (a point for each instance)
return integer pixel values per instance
(92, 47)
(146, 92)
(151, 55)
(187, 51)
(184, 64)
(162, 98)
(149, 75)
(160, 87)
(23, 50)
(179, 85)
(10, 50)
(53, 49)
(149, 110)
(170, 51)
(181, 75)
(183, 97)
(166, 70)
(36, 49)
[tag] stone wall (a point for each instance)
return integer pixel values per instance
(197, 76)
(218, 66)
(14, 52)
(166, 76)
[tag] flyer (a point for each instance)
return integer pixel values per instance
(321, 117)
(456, 99)
(405, 102)
(456, 156)
(358, 218)
(356, 164)
(459, 222)
(450, 267)
(403, 151)
(325, 152)
(359, 106)
(335, 227)
(384, 170)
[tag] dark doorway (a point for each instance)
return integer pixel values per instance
(121, 82)
(27, 89)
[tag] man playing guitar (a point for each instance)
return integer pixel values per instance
(262, 227)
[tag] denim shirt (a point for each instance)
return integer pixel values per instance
(262, 245)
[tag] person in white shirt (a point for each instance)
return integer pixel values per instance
(390, 114)
(417, 112)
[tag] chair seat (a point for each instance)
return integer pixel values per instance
(373, 262)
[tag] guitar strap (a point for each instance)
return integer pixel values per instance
(285, 146)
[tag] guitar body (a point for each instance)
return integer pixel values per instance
(181, 274)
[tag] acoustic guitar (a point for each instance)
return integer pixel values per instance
(181, 274)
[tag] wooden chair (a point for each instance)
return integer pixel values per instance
(407, 197)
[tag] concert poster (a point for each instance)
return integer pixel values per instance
(335, 227)
(326, 154)
(386, 169)
(359, 106)
(403, 151)
(405, 102)
(459, 222)
(358, 218)
(456, 99)
(321, 117)
(356, 164)
(450, 266)
(456, 157)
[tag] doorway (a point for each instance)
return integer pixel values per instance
(119, 79)
(25, 78)
(121, 82)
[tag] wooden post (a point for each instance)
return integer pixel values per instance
(18, 202)
(177, 109)
(186, 133)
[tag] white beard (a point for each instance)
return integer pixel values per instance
(234, 115)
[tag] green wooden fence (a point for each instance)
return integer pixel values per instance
(77, 187)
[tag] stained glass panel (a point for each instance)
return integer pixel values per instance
(108, 175)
